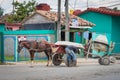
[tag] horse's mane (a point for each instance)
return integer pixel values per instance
(24, 41)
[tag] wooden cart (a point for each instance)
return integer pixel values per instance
(60, 56)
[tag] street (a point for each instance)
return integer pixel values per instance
(83, 71)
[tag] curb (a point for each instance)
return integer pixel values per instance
(84, 60)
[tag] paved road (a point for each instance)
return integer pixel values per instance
(85, 70)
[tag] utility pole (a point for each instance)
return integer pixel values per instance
(87, 4)
(59, 21)
(67, 21)
(13, 7)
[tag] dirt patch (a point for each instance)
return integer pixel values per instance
(7, 63)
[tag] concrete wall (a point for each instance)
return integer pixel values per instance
(10, 43)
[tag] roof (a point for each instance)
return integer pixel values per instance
(103, 10)
(53, 16)
(2, 23)
(13, 24)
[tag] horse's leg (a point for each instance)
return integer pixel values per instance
(47, 57)
(50, 57)
(32, 57)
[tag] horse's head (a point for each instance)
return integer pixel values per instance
(20, 46)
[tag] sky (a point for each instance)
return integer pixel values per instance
(73, 4)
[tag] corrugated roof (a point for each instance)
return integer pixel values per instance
(103, 10)
(53, 16)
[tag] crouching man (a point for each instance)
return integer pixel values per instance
(71, 56)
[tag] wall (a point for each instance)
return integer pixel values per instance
(78, 37)
(33, 32)
(103, 22)
(2, 25)
(116, 33)
(37, 18)
(1, 48)
(11, 42)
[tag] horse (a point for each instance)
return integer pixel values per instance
(34, 46)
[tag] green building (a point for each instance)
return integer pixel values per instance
(107, 22)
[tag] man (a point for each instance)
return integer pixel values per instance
(71, 57)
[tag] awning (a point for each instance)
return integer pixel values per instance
(81, 27)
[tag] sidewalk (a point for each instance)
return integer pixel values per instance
(92, 60)
(79, 60)
(89, 60)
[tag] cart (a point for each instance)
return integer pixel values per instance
(60, 55)
(101, 45)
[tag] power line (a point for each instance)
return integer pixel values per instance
(100, 3)
(108, 2)
(114, 5)
(75, 3)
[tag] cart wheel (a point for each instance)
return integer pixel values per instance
(70, 63)
(74, 63)
(57, 59)
(65, 60)
(112, 59)
(105, 61)
(100, 61)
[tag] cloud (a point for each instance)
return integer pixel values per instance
(6, 5)
(73, 4)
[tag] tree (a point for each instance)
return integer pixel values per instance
(22, 10)
(1, 11)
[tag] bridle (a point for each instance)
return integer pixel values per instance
(20, 46)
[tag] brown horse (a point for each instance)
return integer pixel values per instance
(34, 46)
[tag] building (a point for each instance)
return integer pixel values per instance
(40, 25)
(107, 23)
(42, 19)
